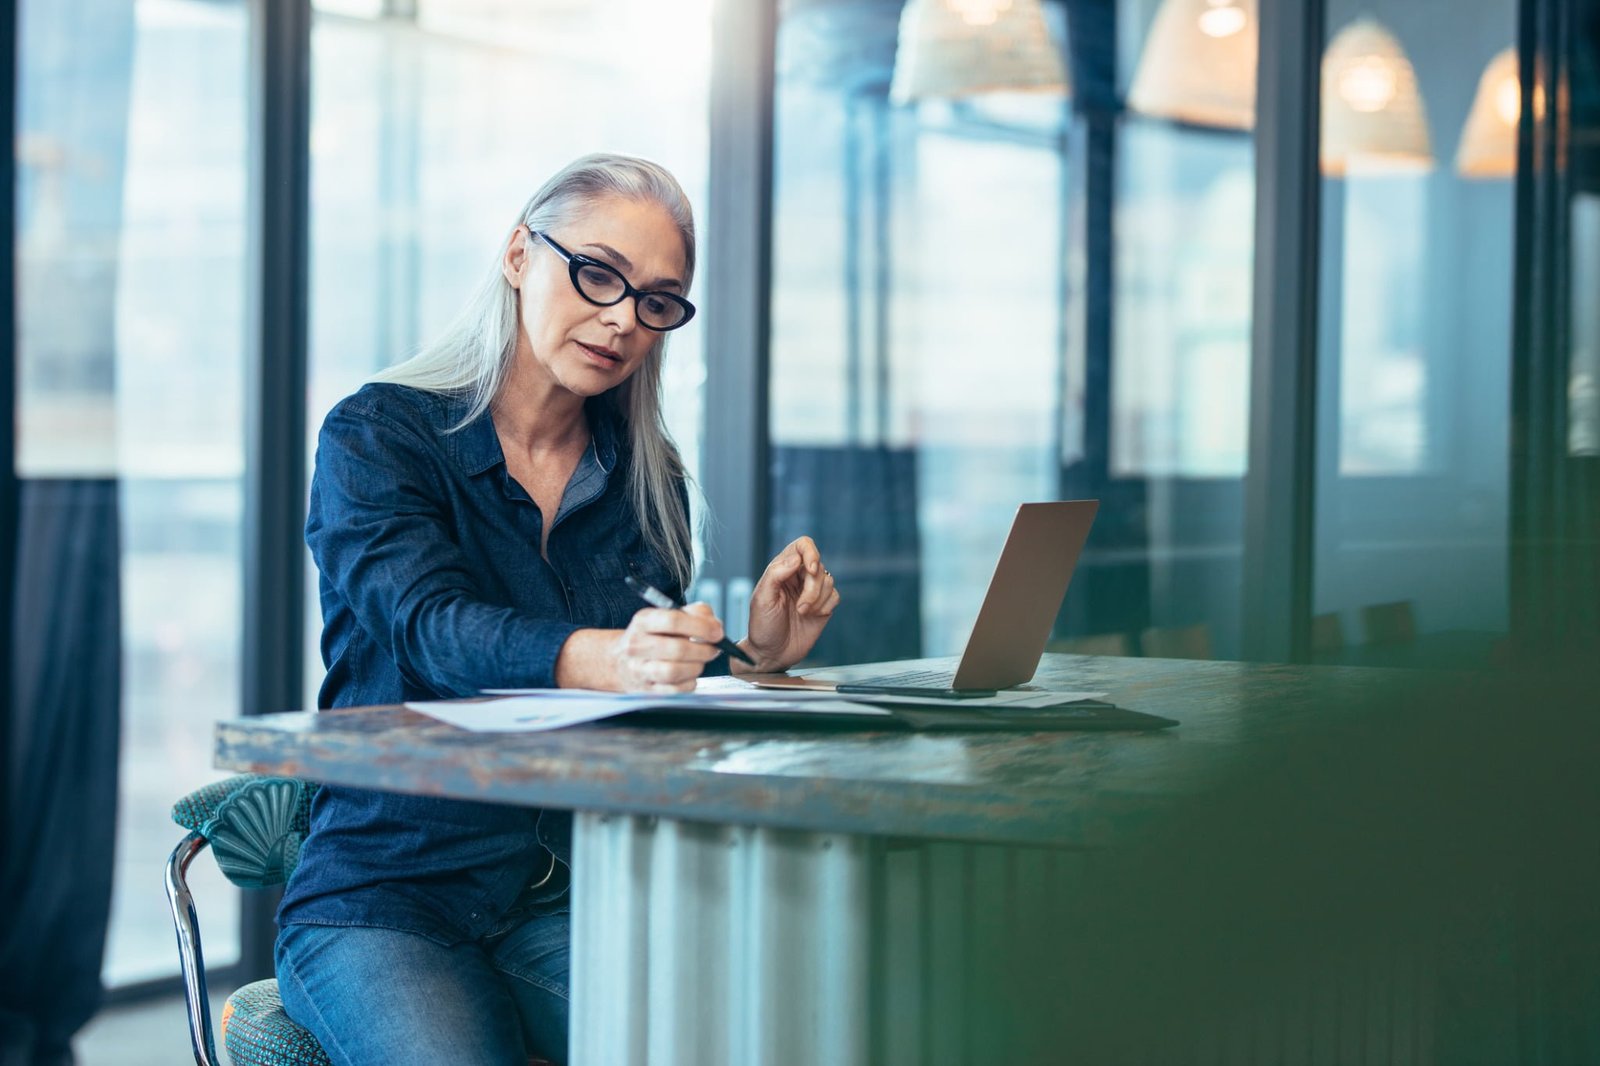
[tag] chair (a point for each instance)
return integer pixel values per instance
(1389, 623)
(1177, 642)
(254, 827)
(1094, 644)
(1327, 635)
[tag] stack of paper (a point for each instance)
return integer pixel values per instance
(534, 710)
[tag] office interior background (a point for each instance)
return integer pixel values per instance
(1303, 292)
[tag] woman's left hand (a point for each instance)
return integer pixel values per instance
(791, 603)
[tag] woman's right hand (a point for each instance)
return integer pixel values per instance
(666, 650)
(660, 651)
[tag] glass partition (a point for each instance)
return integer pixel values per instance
(994, 282)
(1415, 320)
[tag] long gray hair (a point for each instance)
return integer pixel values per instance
(473, 356)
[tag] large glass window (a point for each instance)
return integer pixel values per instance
(1181, 333)
(432, 123)
(994, 283)
(1415, 319)
(917, 324)
(131, 166)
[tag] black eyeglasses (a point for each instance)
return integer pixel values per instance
(603, 285)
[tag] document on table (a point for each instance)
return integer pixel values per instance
(1027, 697)
(1009, 698)
(736, 689)
(720, 688)
(535, 710)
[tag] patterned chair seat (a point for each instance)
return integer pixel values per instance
(256, 1031)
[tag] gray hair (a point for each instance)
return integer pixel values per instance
(473, 356)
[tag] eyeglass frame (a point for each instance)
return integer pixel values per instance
(576, 261)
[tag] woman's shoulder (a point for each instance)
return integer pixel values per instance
(386, 408)
(400, 406)
(400, 425)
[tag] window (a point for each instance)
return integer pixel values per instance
(1185, 226)
(131, 292)
(1415, 320)
(430, 131)
(984, 295)
(916, 380)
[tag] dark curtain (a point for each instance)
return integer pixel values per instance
(8, 485)
(61, 775)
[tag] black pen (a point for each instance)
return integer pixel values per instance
(656, 598)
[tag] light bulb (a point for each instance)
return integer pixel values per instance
(978, 12)
(1368, 84)
(1222, 19)
(1508, 101)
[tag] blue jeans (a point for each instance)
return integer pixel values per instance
(373, 995)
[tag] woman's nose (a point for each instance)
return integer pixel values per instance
(622, 316)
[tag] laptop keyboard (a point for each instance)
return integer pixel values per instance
(935, 679)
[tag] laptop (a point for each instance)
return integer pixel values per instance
(1025, 593)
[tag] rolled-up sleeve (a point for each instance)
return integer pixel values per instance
(380, 533)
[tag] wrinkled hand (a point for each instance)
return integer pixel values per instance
(664, 651)
(788, 609)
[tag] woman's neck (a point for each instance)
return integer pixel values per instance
(538, 415)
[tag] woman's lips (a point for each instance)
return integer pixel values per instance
(604, 356)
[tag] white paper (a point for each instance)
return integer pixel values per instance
(524, 714)
(733, 688)
(756, 705)
(1025, 698)
(1017, 697)
(536, 710)
(721, 688)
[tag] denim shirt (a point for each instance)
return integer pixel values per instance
(432, 586)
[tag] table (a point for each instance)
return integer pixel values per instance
(826, 897)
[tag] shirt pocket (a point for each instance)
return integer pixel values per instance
(608, 601)
(612, 567)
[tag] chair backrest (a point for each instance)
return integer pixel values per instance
(255, 825)
(1093, 644)
(1389, 623)
(1177, 642)
(1327, 632)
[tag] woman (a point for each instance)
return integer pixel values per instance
(473, 515)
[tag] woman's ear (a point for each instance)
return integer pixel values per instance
(516, 256)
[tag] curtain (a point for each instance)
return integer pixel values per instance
(60, 779)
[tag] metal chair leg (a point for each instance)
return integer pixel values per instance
(187, 926)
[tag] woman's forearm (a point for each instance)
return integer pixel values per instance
(589, 659)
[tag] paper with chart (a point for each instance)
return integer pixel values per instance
(535, 710)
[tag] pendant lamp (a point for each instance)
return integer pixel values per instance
(1489, 139)
(953, 48)
(1199, 64)
(1372, 113)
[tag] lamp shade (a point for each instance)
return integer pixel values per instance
(952, 48)
(1372, 113)
(1199, 64)
(1489, 139)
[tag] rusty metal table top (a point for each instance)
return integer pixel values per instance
(1064, 789)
